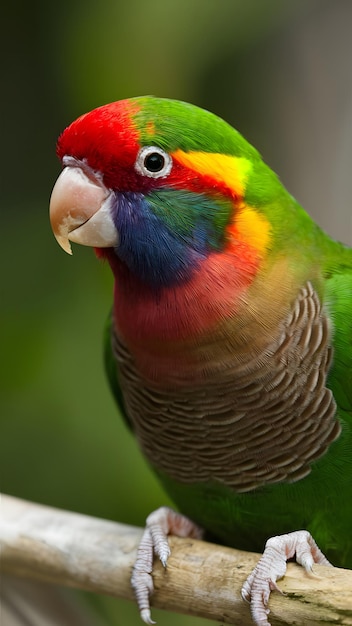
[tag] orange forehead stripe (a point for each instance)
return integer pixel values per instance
(230, 171)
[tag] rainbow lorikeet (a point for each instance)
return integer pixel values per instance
(229, 347)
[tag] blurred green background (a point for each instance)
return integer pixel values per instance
(279, 70)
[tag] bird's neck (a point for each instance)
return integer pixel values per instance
(204, 320)
(180, 312)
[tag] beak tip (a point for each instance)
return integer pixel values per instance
(64, 243)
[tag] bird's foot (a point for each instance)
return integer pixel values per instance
(272, 566)
(159, 525)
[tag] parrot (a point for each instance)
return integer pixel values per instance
(228, 348)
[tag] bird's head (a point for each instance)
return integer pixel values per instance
(161, 185)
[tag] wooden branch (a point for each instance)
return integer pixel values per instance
(201, 579)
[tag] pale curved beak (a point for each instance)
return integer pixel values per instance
(80, 206)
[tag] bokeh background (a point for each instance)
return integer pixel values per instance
(278, 70)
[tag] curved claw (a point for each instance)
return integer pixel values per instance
(272, 566)
(159, 525)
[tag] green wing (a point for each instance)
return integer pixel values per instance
(112, 373)
(338, 294)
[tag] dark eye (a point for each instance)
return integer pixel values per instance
(153, 162)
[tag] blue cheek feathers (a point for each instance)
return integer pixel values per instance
(149, 248)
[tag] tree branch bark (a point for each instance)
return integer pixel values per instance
(202, 579)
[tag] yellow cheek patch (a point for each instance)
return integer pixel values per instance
(227, 171)
(251, 228)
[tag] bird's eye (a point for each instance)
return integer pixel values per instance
(153, 162)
